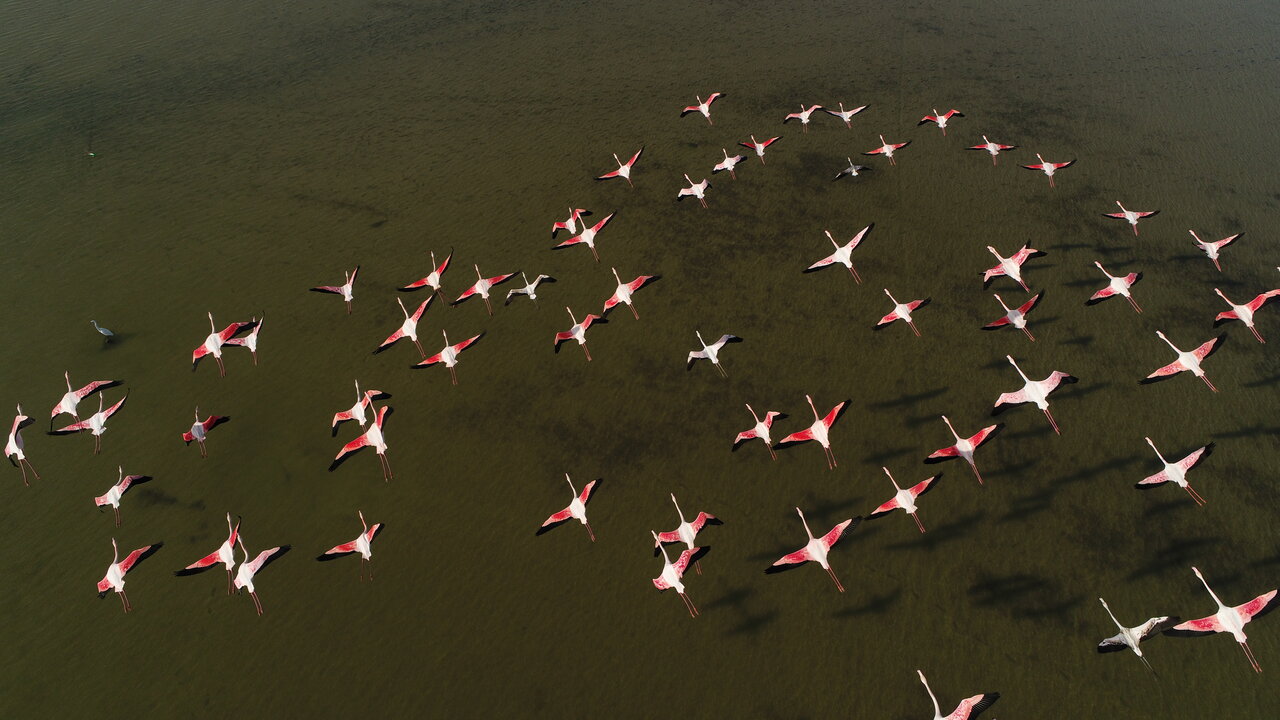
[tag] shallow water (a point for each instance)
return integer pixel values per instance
(245, 153)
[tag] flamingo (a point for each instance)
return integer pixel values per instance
(686, 532)
(1228, 619)
(703, 106)
(760, 430)
(964, 447)
(671, 574)
(818, 548)
(940, 119)
(905, 498)
(843, 253)
(901, 311)
(711, 352)
(530, 289)
(624, 168)
(363, 544)
(247, 570)
(114, 579)
(587, 236)
(845, 115)
(1187, 361)
(449, 355)
(760, 146)
(249, 341)
(346, 289)
(1244, 313)
(1130, 216)
(373, 438)
(577, 509)
(1130, 637)
(802, 116)
(481, 287)
(357, 411)
(112, 496)
(1116, 286)
(968, 708)
(728, 163)
(13, 448)
(1016, 317)
(105, 333)
(819, 431)
(851, 171)
(1011, 266)
(992, 148)
(698, 190)
(200, 428)
(225, 554)
(96, 423)
(570, 224)
(432, 280)
(212, 344)
(408, 328)
(1213, 248)
(1177, 472)
(624, 290)
(72, 397)
(1049, 168)
(1033, 391)
(887, 149)
(578, 331)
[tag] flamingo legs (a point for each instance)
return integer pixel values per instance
(588, 352)
(1052, 422)
(1249, 654)
(487, 306)
(831, 459)
(723, 372)
(117, 516)
(854, 273)
(124, 600)
(835, 579)
(595, 254)
(974, 466)
(222, 369)
(918, 523)
(421, 352)
(1029, 335)
(633, 308)
(453, 373)
(204, 453)
(256, 602)
(913, 328)
(590, 533)
(363, 564)
(1205, 378)
(230, 591)
(688, 604)
(1135, 305)
(97, 444)
(387, 475)
(23, 464)
(348, 312)
(1195, 495)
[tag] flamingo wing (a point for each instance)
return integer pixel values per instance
(772, 140)
(688, 109)
(1167, 371)
(1196, 457)
(917, 304)
(130, 480)
(884, 508)
(744, 436)
(985, 434)
(203, 563)
(132, 558)
(392, 339)
(994, 272)
(268, 555)
(682, 563)
(97, 385)
(695, 355)
(834, 414)
(669, 537)
(444, 265)
(327, 289)
(1225, 316)
(499, 279)
(821, 263)
(888, 318)
(1154, 626)
(585, 495)
(877, 151)
(1203, 626)
(1025, 253)
(1031, 304)
(946, 453)
(837, 532)
(1101, 295)
(1256, 606)
(924, 486)
(1117, 216)
(459, 347)
(234, 329)
(554, 519)
(1007, 399)
(611, 303)
(1209, 347)
(1159, 478)
(797, 437)
(661, 583)
(347, 450)
(1051, 383)
(73, 427)
(641, 281)
(343, 549)
(713, 97)
(635, 157)
(560, 337)
(971, 706)
(605, 221)
(800, 556)
(1114, 643)
(702, 520)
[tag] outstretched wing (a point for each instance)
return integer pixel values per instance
(1113, 644)
(1196, 457)
(837, 532)
(1203, 626)
(800, 556)
(267, 556)
(1257, 606)
(1209, 347)
(137, 555)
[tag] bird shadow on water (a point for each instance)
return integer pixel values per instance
(750, 620)
(907, 400)
(875, 605)
(1081, 340)
(942, 534)
(1252, 431)
(1182, 552)
(1025, 596)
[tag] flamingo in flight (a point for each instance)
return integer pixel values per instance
(968, 708)
(249, 341)
(200, 429)
(1131, 637)
(212, 344)
(964, 447)
(802, 116)
(728, 163)
(759, 146)
(992, 148)
(1213, 248)
(819, 430)
(1187, 361)
(363, 544)
(530, 289)
(587, 236)
(845, 115)
(72, 398)
(571, 224)
(624, 291)
(695, 189)
(408, 328)
(577, 509)
(1033, 391)
(225, 554)
(711, 352)
(686, 532)
(114, 579)
(357, 411)
(112, 496)
(905, 498)
(372, 437)
(1130, 216)
(1121, 285)
(851, 171)
(346, 289)
(843, 254)
(760, 430)
(1049, 168)
(481, 287)
(703, 106)
(672, 573)
(901, 311)
(249, 569)
(578, 331)
(1177, 472)
(1010, 266)
(96, 423)
(433, 279)
(887, 149)
(817, 549)
(1228, 619)
(1244, 313)
(624, 168)
(449, 355)
(13, 448)
(940, 119)
(1016, 317)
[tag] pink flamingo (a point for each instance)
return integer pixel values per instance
(1016, 317)
(363, 544)
(1130, 216)
(887, 149)
(373, 438)
(408, 328)
(818, 431)
(992, 148)
(587, 236)
(905, 498)
(13, 448)
(96, 424)
(1049, 168)
(114, 579)
(624, 291)
(672, 574)
(940, 119)
(964, 447)
(818, 548)
(1244, 313)
(1187, 361)
(624, 168)
(481, 287)
(225, 554)
(578, 331)
(200, 429)
(449, 355)
(1033, 391)
(346, 289)
(112, 496)
(703, 107)
(686, 532)
(1176, 473)
(432, 280)
(760, 430)
(576, 510)
(1228, 619)
(1116, 286)
(72, 398)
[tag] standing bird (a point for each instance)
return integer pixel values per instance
(578, 331)
(105, 333)
(760, 430)
(1116, 286)
(802, 116)
(433, 279)
(449, 355)
(964, 447)
(1244, 313)
(363, 544)
(245, 574)
(1213, 248)
(1130, 637)
(887, 149)
(112, 496)
(968, 708)
(992, 148)
(1177, 472)
(114, 579)
(357, 411)
(1033, 391)
(1017, 317)
(845, 115)
(819, 431)
(200, 429)
(96, 424)
(940, 119)
(577, 509)
(587, 236)
(346, 289)
(905, 498)
(212, 344)
(623, 292)
(698, 190)
(1130, 216)
(624, 168)
(249, 341)
(482, 286)
(686, 532)
(225, 554)
(672, 573)
(852, 170)
(817, 549)
(1010, 266)
(1049, 168)
(1228, 619)
(843, 253)
(530, 289)
(571, 225)
(703, 106)
(760, 146)
(901, 311)
(408, 328)
(13, 448)
(711, 352)
(728, 163)
(373, 438)
(1187, 361)
(72, 398)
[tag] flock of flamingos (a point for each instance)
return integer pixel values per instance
(242, 571)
